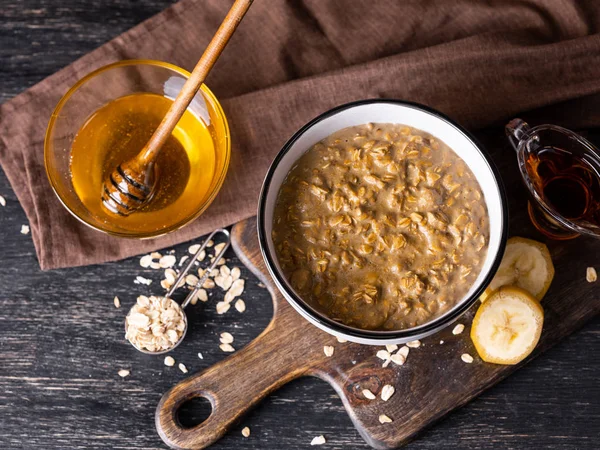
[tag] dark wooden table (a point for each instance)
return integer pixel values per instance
(61, 338)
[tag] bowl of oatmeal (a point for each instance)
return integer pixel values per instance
(382, 221)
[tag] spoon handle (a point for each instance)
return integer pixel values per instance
(197, 77)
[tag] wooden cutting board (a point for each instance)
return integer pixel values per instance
(433, 381)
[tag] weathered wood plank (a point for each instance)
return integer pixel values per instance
(61, 339)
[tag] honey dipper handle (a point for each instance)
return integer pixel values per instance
(197, 77)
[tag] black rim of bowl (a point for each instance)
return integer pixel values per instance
(339, 328)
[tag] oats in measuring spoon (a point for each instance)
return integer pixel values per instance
(154, 324)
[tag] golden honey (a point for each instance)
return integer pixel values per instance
(118, 131)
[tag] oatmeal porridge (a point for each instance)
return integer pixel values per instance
(381, 227)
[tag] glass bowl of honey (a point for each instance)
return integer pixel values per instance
(107, 117)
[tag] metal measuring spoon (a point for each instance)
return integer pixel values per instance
(193, 292)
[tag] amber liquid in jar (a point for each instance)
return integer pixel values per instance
(118, 131)
(567, 182)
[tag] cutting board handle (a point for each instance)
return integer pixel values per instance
(235, 385)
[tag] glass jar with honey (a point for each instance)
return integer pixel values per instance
(107, 117)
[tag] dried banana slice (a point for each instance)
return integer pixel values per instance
(526, 264)
(507, 327)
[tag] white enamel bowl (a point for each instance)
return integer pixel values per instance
(386, 111)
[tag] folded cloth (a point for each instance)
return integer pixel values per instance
(479, 62)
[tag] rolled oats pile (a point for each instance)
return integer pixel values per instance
(155, 323)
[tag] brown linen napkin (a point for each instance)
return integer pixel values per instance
(479, 62)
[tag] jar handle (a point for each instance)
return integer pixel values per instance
(516, 130)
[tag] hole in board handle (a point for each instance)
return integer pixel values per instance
(193, 412)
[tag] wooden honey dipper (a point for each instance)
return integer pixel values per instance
(134, 182)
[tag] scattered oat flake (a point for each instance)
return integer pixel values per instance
(413, 344)
(240, 305)
(154, 265)
(165, 284)
(182, 367)
(142, 280)
(24, 229)
(391, 347)
(226, 338)
(117, 302)
(466, 358)
(590, 275)
(155, 255)
(384, 419)
(167, 261)
(193, 249)
(210, 243)
(368, 394)
(191, 280)
(223, 307)
(202, 295)
(200, 355)
(398, 359)
(235, 273)
(261, 285)
(182, 260)
(319, 440)
(169, 361)
(441, 342)
(219, 247)
(227, 348)
(403, 351)
(341, 340)
(124, 373)
(383, 354)
(459, 328)
(145, 261)
(246, 432)
(328, 350)
(2, 201)
(386, 392)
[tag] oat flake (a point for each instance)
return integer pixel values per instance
(246, 432)
(169, 361)
(145, 261)
(182, 368)
(386, 392)
(328, 350)
(223, 307)
(226, 338)
(413, 344)
(2, 201)
(383, 354)
(403, 351)
(384, 419)
(590, 275)
(24, 229)
(240, 305)
(117, 302)
(167, 261)
(319, 440)
(124, 373)
(368, 394)
(459, 328)
(466, 358)
(227, 348)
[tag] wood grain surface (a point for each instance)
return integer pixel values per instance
(61, 338)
